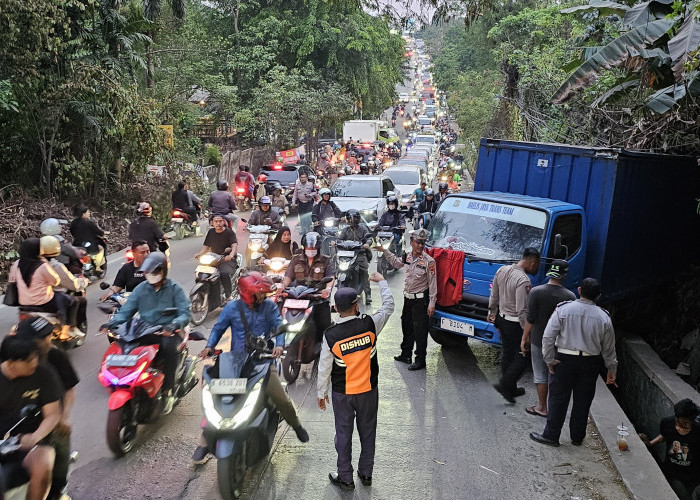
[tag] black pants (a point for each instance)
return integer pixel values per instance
(191, 213)
(64, 305)
(349, 409)
(167, 354)
(414, 324)
(227, 269)
(512, 362)
(577, 375)
(60, 440)
(321, 318)
(363, 271)
(82, 312)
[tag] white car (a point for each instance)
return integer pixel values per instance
(366, 193)
(403, 97)
(407, 179)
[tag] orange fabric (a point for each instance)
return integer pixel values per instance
(356, 353)
(450, 266)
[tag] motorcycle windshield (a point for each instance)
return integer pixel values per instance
(135, 329)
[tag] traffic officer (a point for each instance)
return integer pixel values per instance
(304, 194)
(578, 336)
(309, 268)
(419, 296)
(349, 361)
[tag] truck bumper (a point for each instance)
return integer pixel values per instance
(483, 330)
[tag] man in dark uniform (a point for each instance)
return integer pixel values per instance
(309, 268)
(579, 335)
(355, 231)
(349, 361)
(420, 295)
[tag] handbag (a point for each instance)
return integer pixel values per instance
(11, 295)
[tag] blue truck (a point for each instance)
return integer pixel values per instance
(627, 218)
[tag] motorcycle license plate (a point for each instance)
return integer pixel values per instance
(346, 253)
(176, 219)
(228, 385)
(296, 304)
(121, 360)
(205, 269)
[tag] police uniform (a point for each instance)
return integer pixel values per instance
(579, 335)
(300, 272)
(420, 292)
(304, 196)
(349, 361)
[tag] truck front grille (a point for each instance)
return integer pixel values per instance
(471, 306)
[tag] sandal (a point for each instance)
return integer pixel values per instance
(531, 410)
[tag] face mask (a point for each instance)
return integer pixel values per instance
(154, 279)
(311, 253)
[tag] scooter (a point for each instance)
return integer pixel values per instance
(135, 382)
(113, 303)
(276, 267)
(94, 260)
(329, 229)
(183, 225)
(346, 255)
(64, 344)
(243, 197)
(203, 296)
(15, 483)
(258, 243)
(240, 421)
(297, 305)
(385, 239)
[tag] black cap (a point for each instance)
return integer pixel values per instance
(34, 328)
(558, 269)
(344, 298)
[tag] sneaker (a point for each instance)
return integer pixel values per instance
(168, 405)
(201, 455)
(76, 333)
(302, 435)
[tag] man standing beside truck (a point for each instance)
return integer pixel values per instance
(508, 311)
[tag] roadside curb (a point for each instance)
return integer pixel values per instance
(637, 468)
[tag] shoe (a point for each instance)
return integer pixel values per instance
(77, 333)
(519, 391)
(577, 443)
(535, 436)
(168, 405)
(404, 359)
(417, 365)
(302, 435)
(506, 395)
(200, 455)
(333, 476)
(366, 480)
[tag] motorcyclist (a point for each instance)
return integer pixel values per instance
(192, 199)
(278, 199)
(323, 163)
(355, 231)
(181, 200)
(69, 255)
(130, 274)
(429, 204)
(218, 239)
(221, 202)
(454, 183)
(324, 209)
(265, 216)
(309, 268)
(419, 193)
(246, 179)
(144, 228)
(442, 192)
(364, 169)
(149, 300)
(304, 166)
(85, 231)
(395, 219)
(253, 314)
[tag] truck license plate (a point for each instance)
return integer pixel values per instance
(228, 385)
(121, 360)
(457, 326)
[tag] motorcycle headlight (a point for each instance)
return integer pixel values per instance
(206, 260)
(368, 211)
(328, 223)
(343, 266)
(255, 255)
(210, 412)
(255, 245)
(276, 266)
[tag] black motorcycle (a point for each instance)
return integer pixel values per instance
(204, 296)
(15, 478)
(346, 255)
(386, 239)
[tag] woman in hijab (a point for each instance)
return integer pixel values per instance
(282, 245)
(35, 279)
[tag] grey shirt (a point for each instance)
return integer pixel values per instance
(303, 193)
(509, 293)
(541, 303)
(580, 326)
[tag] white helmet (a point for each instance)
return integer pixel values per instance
(50, 227)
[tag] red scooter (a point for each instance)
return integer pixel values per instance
(135, 381)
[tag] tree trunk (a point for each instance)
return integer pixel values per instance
(150, 68)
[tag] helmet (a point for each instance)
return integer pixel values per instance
(301, 156)
(429, 192)
(353, 217)
(222, 185)
(253, 282)
(392, 199)
(262, 178)
(323, 191)
(276, 186)
(50, 227)
(442, 185)
(265, 200)
(311, 240)
(49, 246)
(363, 167)
(155, 261)
(353, 154)
(144, 209)
(324, 155)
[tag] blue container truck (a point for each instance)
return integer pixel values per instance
(627, 218)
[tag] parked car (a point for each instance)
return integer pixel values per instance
(366, 193)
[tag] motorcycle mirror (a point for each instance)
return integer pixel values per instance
(104, 285)
(326, 280)
(28, 411)
(195, 335)
(170, 311)
(244, 221)
(277, 279)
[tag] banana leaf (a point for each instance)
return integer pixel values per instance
(605, 96)
(685, 42)
(605, 8)
(646, 12)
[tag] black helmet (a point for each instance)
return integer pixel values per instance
(155, 261)
(311, 240)
(301, 156)
(429, 192)
(392, 199)
(353, 217)
(222, 185)
(442, 185)
(276, 186)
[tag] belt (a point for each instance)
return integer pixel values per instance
(414, 295)
(510, 318)
(573, 353)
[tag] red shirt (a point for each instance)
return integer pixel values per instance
(450, 264)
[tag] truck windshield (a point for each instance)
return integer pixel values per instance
(487, 230)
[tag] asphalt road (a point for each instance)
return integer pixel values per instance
(443, 433)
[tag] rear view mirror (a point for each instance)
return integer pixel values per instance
(104, 285)
(195, 335)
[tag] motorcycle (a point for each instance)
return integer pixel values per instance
(276, 267)
(297, 305)
(243, 197)
(65, 344)
(282, 212)
(94, 259)
(207, 279)
(258, 243)
(183, 225)
(329, 230)
(134, 381)
(113, 303)
(240, 421)
(15, 486)
(346, 254)
(385, 239)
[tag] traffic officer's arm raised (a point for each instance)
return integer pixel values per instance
(381, 317)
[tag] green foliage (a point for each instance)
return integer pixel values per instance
(212, 155)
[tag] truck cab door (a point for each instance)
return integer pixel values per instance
(570, 225)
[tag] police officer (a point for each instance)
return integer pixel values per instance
(349, 361)
(304, 194)
(309, 268)
(355, 231)
(420, 294)
(578, 336)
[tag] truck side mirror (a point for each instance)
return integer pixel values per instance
(557, 246)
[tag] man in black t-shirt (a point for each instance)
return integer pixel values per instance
(23, 382)
(218, 239)
(145, 228)
(129, 275)
(39, 330)
(681, 435)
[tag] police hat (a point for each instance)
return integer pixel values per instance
(558, 269)
(419, 235)
(345, 297)
(34, 328)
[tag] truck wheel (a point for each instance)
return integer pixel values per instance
(230, 472)
(448, 340)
